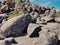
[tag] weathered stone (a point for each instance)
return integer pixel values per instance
(47, 12)
(34, 16)
(16, 26)
(33, 30)
(39, 21)
(46, 38)
(53, 12)
(57, 19)
(25, 40)
(4, 42)
(3, 17)
(4, 8)
(52, 27)
(11, 40)
(48, 19)
(7, 41)
(1, 37)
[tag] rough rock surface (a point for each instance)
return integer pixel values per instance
(16, 26)
(7, 41)
(2, 17)
(47, 19)
(46, 38)
(57, 19)
(52, 27)
(38, 26)
(33, 30)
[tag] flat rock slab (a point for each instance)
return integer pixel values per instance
(57, 19)
(25, 40)
(53, 27)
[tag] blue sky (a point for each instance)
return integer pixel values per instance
(49, 3)
(0, 0)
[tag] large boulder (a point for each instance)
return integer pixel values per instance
(33, 30)
(46, 38)
(15, 26)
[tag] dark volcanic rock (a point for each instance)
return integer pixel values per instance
(16, 26)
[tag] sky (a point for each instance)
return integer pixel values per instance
(48, 3)
(1, 0)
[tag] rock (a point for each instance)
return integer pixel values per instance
(16, 26)
(0, 4)
(39, 21)
(57, 19)
(3, 17)
(34, 16)
(4, 42)
(47, 12)
(11, 40)
(3, 21)
(4, 8)
(48, 19)
(33, 30)
(46, 38)
(52, 27)
(53, 12)
(7, 41)
(1, 36)
(25, 40)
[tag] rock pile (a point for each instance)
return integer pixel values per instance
(27, 7)
(37, 26)
(6, 6)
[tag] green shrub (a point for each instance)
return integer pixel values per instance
(15, 13)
